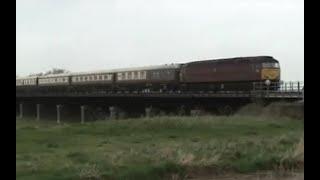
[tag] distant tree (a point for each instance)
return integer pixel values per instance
(36, 74)
(56, 71)
(50, 72)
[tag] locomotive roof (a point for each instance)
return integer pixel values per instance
(249, 58)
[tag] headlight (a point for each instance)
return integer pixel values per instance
(268, 82)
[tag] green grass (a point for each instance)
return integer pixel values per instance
(157, 148)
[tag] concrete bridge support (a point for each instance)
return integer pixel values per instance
(59, 113)
(113, 112)
(21, 110)
(38, 112)
(149, 112)
(83, 109)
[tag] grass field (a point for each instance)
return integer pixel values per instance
(157, 148)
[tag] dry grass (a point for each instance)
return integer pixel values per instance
(90, 172)
(278, 109)
(171, 147)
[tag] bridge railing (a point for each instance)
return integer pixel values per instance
(279, 89)
(291, 86)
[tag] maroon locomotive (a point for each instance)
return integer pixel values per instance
(230, 74)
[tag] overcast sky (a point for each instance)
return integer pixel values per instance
(84, 35)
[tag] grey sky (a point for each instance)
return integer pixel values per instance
(83, 35)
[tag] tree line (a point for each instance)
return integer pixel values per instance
(50, 72)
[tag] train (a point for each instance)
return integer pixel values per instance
(228, 74)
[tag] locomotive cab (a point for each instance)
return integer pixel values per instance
(270, 71)
(270, 75)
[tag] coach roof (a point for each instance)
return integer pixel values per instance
(158, 67)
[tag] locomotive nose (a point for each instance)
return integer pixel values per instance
(270, 74)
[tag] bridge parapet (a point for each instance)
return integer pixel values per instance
(289, 90)
(290, 86)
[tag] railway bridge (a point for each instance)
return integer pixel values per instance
(136, 103)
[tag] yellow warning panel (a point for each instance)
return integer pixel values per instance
(271, 74)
